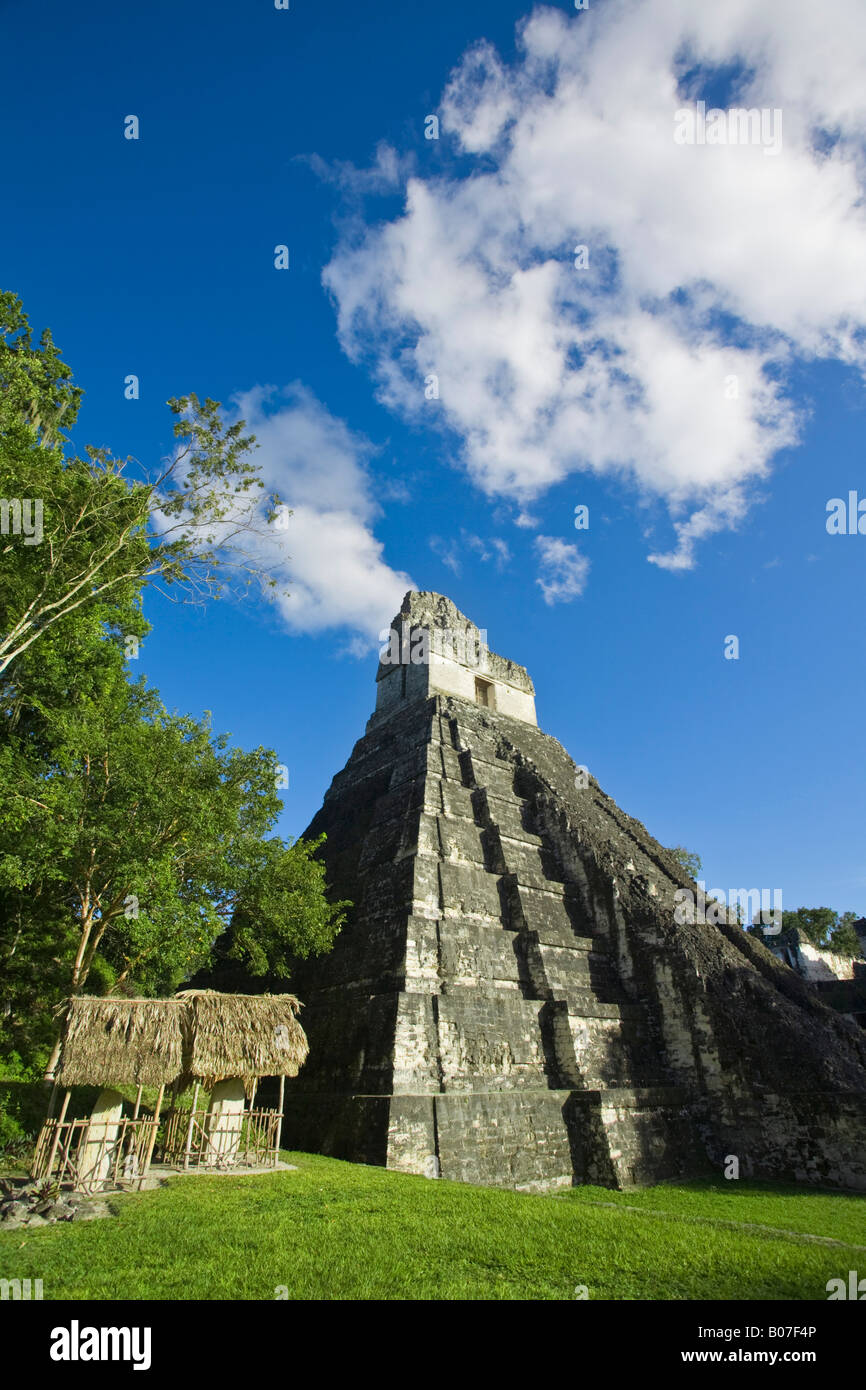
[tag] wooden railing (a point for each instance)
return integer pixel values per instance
(200, 1139)
(94, 1154)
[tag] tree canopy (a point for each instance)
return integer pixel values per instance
(97, 528)
(687, 860)
(821, 927)
(130, 836)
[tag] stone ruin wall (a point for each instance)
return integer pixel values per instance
(513, 1002)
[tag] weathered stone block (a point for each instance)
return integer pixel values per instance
(476, 954)
(469, 891)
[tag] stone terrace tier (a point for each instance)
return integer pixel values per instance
(512, 1001)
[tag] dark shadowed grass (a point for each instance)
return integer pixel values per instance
(336, 1230)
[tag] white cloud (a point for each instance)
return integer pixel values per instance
(706, 264)
(384, 175)
(450, 553)
(562, 570)
(327, 556)
(494, 548)
(447, 552)
(503, 551)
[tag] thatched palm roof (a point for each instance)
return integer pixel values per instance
(199, 1035)
(244, 1035)
(121, 1042)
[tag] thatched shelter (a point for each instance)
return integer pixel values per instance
(240, 1035)
(109, 1043)
(199, 1036)
(121, 1042)
(224, 1042)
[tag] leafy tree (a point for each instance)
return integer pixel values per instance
(102, 531)
(37, 395)
(142, 838)
(283, 913)
(823, 928)
(80, 659)
(129, 837)
(688, 861)
(843, 938)
(789, 938)
(813, 924)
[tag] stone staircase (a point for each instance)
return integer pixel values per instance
(594, 1039)
(597, 1037)
(473, 1014)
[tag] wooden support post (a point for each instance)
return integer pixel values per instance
(279, 1120)
(191, 1123)
(56, 1139)
(251, 1132)
(149, 1152)
(137, 1103)
(171, 1122)
(52, 1099)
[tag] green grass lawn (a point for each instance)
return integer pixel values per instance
(336, 1230)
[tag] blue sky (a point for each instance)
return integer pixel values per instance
(411, 256)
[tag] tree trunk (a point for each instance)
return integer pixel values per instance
(52, 1061)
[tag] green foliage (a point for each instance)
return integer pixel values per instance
(106, 532)
(687, 860)
(22, 1102)
(813, 924)
(140, 838)
(37, 396)
(844, 939)
(94, 550)
(129, 836)
(283, 912)
(825, 929)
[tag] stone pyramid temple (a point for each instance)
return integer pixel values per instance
(514, 999)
